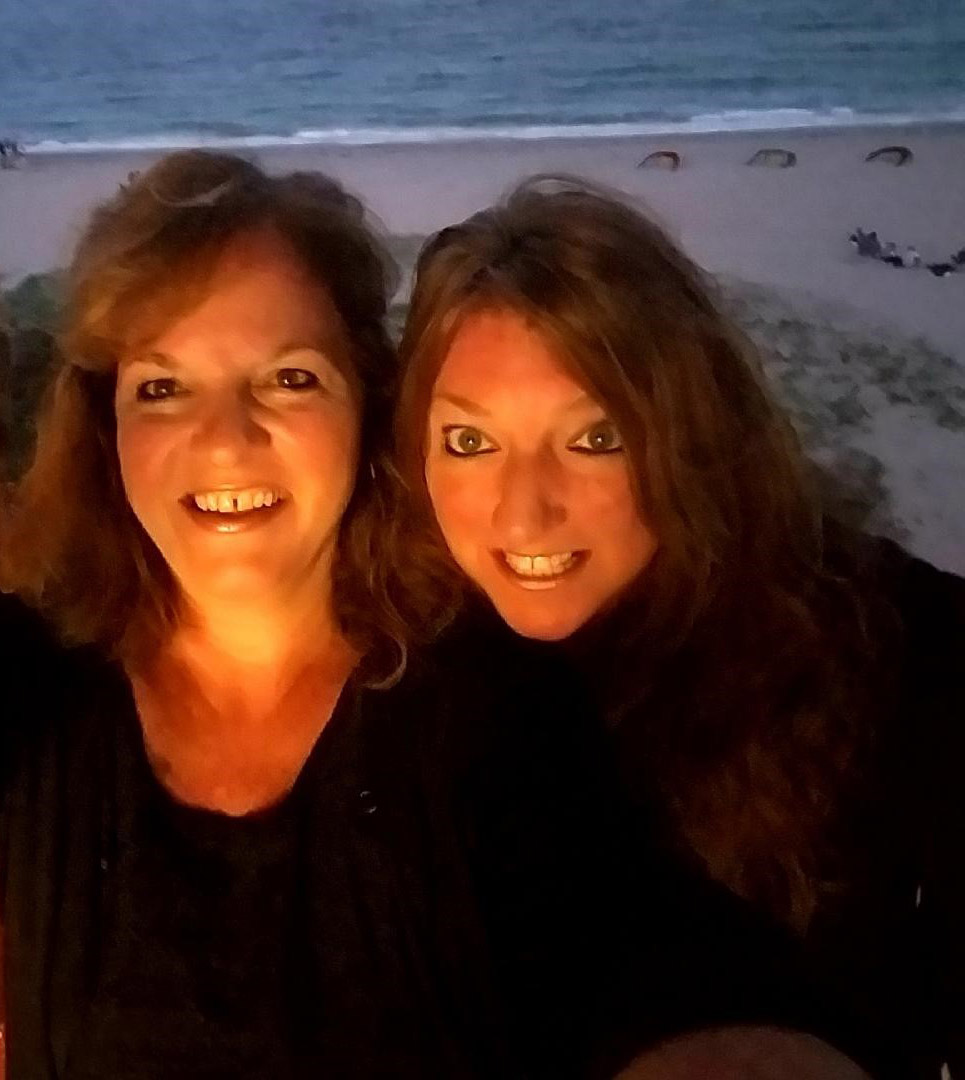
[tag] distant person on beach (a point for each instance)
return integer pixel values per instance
(591, 455)
(11, 154)
(241, 835)
(866, 244)
(132, 178)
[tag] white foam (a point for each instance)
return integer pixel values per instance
(703, 123)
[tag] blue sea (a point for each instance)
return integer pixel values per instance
(92, 74)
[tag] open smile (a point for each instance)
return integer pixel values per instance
(235, 510)
(539, 571)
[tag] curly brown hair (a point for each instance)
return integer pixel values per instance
(735, 667)
(71, 544)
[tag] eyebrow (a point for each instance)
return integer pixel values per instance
(477, 410)
(300, 346)
(463, 403)
(169, 363)
(160, 359)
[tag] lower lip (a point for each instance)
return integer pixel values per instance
(540, 584)
(230, 524)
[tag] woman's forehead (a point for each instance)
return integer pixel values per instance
(255, 276)
(498, 349)
(501, 362)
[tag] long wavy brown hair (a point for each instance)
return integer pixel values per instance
(70, 543)
(735, 668)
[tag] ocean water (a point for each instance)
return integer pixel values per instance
(95, 73)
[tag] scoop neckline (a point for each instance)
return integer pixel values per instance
(318, 762)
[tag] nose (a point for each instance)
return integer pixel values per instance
(228, 428)
(531, 500)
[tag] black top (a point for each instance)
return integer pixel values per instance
(894, 940)
(445, 892)
(890, 944)
(334, 932)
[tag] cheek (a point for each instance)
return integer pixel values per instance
(610, 508)
(322, 445)
(460, 503)
(325, 469)
(142, 450)
(603, 494)
(636, 546)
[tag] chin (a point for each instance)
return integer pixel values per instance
(234, 584)
(543, 625)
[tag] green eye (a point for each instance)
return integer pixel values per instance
(157, 389)
(296, 379)
(463, 441)
(601, 438)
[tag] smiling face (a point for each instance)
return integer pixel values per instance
(529, 481)
(237, 431)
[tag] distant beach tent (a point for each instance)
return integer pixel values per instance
(891, 155)
(774, 158)
(661, 159)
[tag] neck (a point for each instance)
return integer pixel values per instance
(232, 704)
(263, 643)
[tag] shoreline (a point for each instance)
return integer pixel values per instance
(465, 136)
(939, 128)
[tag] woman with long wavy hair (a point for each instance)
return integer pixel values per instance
(224, 851)
(587, 443)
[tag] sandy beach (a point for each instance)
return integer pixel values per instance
(782, 227)
(869, 359)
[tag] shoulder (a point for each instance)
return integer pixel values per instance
(924, 659)
(44, 681)
(925, 605)
(35, 662)
(930, 602)
(930, 608)
(21, 627)
(29, 647)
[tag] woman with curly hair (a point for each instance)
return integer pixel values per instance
(586, 439)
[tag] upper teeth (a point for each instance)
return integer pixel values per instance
(540, 565)
(232, 502)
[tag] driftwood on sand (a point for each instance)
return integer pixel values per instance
(774, 157)
(891, 155)
(661, 159)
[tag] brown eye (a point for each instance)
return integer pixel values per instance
(157, 389)
(464, 441)
(601, 438)
(296, 379)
